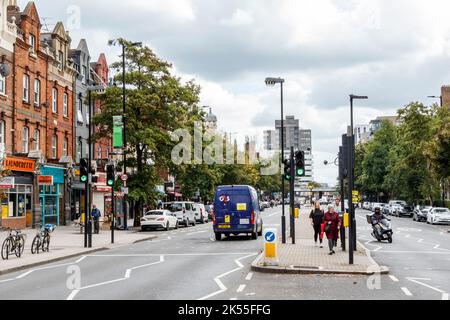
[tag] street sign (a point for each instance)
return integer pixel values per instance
(117, 132)
(7, 183)
(270, 247)
(45, 180)
(124, 177)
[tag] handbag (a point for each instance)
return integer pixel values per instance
(327, 228)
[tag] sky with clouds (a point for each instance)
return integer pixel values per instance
(393, 51)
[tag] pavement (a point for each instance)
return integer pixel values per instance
(188, 264)
(304, 257)
(67, 242)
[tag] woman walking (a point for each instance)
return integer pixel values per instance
(316, 217)
(332, 223)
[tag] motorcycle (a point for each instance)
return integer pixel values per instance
(379, 231)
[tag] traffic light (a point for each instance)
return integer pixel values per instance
(110, 175)
(84, 174)
(287, 170)
(300, 167)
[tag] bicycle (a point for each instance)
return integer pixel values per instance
(42, 239)
(14, 243)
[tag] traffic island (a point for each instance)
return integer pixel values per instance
(67, 243)
(304, 257)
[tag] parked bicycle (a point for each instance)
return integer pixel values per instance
(13, 244)
(42, 239)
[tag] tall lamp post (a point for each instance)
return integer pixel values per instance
(124, 111)
(273, 82)
(442, 180)
(351, 165)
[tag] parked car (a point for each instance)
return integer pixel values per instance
(366, 205)
(209, 210)
(159, 219)
(393, 209)
(236, 211)
(421, 213)
(385, 209)
(438, 215)
(183, 211)
(394, 203)
(200, 213)
(405, 211)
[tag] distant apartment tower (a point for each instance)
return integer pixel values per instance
(362, 133)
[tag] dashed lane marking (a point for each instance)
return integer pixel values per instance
(241, 288)
(406, 292)
(81, 259)
(249, 276)
(393, 278)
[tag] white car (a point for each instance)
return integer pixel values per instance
(393, 209)
(201, 215)
(438, 215)
(159, 219)
(366, 205)
(183, 211)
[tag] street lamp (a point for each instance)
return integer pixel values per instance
(351, 152)
(272, 82)
(437, 97)
(124, 112)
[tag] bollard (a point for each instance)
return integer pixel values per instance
(297, 213)
(346, 220)
(270, 247)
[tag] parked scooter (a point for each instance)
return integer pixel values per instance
(380, 231)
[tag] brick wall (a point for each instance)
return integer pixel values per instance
(14, 223)
(445, 91)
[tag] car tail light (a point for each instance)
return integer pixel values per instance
(213, 217)
(252, 221)
(160, 219)
(143, 220)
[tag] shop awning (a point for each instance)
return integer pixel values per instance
(176, 194)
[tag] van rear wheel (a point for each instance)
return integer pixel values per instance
(218, 236)
(254, 235)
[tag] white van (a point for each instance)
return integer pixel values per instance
(183, 210)
(200, 213)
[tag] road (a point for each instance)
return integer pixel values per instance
(189, 264)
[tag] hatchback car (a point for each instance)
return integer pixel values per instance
(159, 219)
(421, 213)
(439, 215)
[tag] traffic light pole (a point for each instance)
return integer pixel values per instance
(283, 217)
(113, 215)
(292, 193)
(350, 202)
(89, 181)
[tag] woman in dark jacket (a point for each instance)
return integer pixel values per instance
(332, 223)
(316, 217)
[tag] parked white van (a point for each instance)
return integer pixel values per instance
(183, 210)
(201, 215)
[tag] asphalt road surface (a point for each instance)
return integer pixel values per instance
(189, 264)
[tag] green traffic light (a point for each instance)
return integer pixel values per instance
(300, 172)
(110, 182)
(288, 178)
(83, 178)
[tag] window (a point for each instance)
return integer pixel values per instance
(25, 139)
(65, 146)
(99, 152)
(84, 74)
(2, 84)
(37, 92)
(60, 60)
(32, 43)
(79, 150)
(36, 138)
(54, 100)
(80, 110)
(26, 88)
(2, 131)
(54, 147)
(65, 102)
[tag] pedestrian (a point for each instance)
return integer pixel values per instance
(332, 223)
(316, 217)
(337, 208)
(96, 215)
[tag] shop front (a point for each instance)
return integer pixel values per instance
(17, 190)
(77, 196)
(51, 194)
(100, 193)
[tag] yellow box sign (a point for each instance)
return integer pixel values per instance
(346, 220)
(297, 212)
(241, 207)
(227, 219)
(270, 250)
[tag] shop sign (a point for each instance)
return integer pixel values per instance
(18, 164)
(45, 180)
(7, 183)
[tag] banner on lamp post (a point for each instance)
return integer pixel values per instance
(117, 132)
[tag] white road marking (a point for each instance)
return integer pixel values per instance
(73, 294)
(407, 236)
(416, 280)
(414, 252)
(445, 296)
(23, 275)
(406, 291)
(81, 259)
(126, 276)
(169, 238)
(7, 280)
(222, 287)
(241, 288)
(394, 279)
(197, 232)
(420, 240)
(174, 254)
(249, 276)
(233, 299)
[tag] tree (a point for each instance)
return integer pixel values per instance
(376, 160)
(157, 104)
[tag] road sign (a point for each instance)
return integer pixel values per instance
(270, 247)
(124, 177)
(355, 193)
(270, 237)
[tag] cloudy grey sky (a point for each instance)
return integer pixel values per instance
(393, 51)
